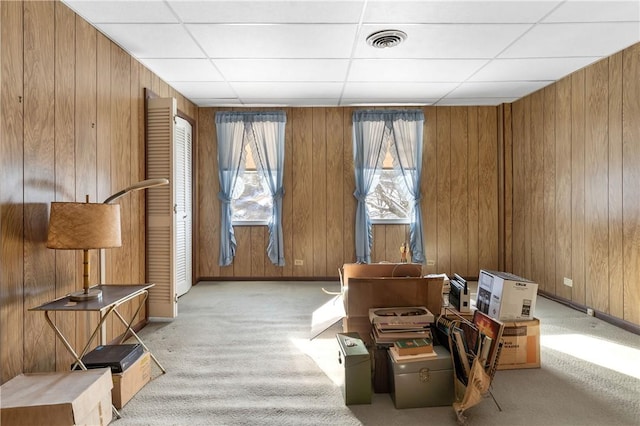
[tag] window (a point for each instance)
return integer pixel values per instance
(251, 203)
(389, 201)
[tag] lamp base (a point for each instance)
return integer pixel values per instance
(81, 296)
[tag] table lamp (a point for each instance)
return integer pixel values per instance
(84, 226)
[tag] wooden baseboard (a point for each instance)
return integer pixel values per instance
(267, 279)
(618, 322)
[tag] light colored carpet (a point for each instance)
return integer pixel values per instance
(239, 354)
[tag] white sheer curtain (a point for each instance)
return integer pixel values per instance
(264, 133)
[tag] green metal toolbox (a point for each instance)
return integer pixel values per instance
(426, 383)
(354, 357)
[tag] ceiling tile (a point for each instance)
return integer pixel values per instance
(457, 11)
(319, 90)
(475, 101)
(153, 40)
(215, 102)
(283, 69)
(554, 40)
(183, 69)
(444, 41)
(120, 12)
(275, 41)
(596, 11)
(396, 90)
(507, 89)
(285, 102)
(413, 70)
(268, 11)
(530, 69)
(204, 89)
(374, 101)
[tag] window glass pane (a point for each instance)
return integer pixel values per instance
(251, 199)
(390, 199)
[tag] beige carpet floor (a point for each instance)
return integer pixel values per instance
(239, 354)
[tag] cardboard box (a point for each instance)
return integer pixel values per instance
(360, 325)
(521, 348)
(505, 296)
(64, 398)
(131, 380)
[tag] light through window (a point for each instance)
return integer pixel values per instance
(389, 200)
(251, 199)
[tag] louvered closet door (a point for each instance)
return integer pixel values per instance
(182, 196)
(160, 208)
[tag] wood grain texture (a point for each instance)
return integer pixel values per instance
(443, 186)
(332, 226)
(518, 206)
(508, 188)
(349, 185)
(549, 201)
(596, 186)
(12, 316)
(527, 188)
(472, 192)
(87, 154)
(631, 182)
(429, 190)
(302, 128)
(259, 240)
(58, 136)
(616, 166)
(208, 210)
(458, 203)
(319, 189)
(287, 201)
(488, 188)
(563, 187)
(589, 184)
(334, 191)
(65, 277)
(537, 187)
(577, 185)
(39, 179)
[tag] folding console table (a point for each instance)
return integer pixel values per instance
(112, 297)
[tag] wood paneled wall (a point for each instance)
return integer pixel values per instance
(460, 199)
(575, 186)
(71, 124)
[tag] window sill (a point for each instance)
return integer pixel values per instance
(250, 223)
(390, 222)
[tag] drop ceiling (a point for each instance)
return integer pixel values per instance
(314, 53)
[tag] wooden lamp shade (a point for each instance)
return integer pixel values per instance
(84, 226)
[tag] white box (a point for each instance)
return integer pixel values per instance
(505, 296)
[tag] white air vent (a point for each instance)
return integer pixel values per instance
(386, 38)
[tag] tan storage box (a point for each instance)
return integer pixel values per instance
(131, 380)
(521, 348)
(65, 398)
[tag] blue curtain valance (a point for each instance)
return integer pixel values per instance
(388, 115)
(251, 117)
